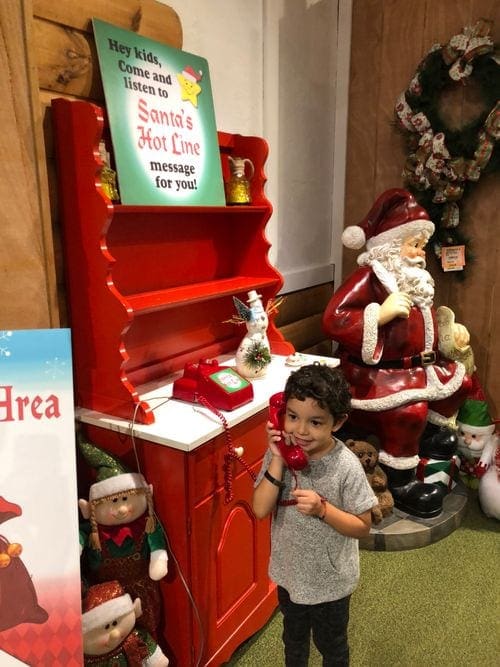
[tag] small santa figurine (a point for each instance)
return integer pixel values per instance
(475, 429)
(110, 634)
(120, 538)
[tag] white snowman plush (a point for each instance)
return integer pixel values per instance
(488, 470)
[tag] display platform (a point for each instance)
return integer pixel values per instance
(401, 531)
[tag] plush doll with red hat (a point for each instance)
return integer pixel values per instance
(121, 538)
(110, 634)
(405, 389)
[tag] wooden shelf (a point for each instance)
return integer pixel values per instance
(148, 302)
(185, 211)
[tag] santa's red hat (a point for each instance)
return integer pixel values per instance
(103, 604)
(189, 73)
(393, 217)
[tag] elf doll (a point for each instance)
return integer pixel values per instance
(110, 635)
(120, 539)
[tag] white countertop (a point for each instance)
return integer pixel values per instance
(186, 426)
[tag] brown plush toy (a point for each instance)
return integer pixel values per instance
(368, 455)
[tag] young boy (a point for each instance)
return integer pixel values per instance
(314, 542)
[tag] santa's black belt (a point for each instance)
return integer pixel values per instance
(425, 358)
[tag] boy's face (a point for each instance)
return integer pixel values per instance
(310, 426)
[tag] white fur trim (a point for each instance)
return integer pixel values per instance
(428, 327)
(117, 484)
(434, 391)
(398, 462)
(477, 430)
(370, 334)
(106, 612)
(353, 237)
(401, 232)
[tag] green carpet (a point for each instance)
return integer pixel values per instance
(437, 606)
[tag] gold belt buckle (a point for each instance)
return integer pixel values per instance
(427, 357)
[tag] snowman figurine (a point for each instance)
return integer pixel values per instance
(254, 353)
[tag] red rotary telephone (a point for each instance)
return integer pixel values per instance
(219, 386)
(293, 455)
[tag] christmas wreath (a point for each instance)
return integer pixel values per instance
(443, 164)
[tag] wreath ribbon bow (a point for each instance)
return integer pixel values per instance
(461, 50)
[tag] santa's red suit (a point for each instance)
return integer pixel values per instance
(395, 372)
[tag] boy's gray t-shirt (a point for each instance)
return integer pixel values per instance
(309, 558)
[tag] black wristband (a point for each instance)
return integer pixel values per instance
(323, 504)
(273, 480)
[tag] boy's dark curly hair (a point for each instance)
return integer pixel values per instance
(325, 385)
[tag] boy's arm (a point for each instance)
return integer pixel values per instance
(266, 492)
(351, 525)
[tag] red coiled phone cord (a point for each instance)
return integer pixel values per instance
(230, 453)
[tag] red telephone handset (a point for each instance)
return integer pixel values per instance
(293, 455)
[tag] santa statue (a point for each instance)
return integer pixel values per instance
(405, 390)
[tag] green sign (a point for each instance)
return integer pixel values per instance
(162, 121)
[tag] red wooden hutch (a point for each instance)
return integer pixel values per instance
(149, 288)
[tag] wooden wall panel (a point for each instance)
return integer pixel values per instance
(27, 279)
(365, 77)
(47, 50)
(299, 319)
(146, 17)
(389, 39)
(408, 26)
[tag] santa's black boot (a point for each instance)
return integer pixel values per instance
(411, 496)
(438, 442)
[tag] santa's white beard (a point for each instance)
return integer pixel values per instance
(417, 282)
(410, 274)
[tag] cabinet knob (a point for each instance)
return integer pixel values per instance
(239, 451)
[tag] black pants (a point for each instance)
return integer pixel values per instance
(328, 622)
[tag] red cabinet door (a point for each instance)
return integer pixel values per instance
(230, 547)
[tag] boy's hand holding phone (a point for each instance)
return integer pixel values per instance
(293, 455)
(274, 438)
